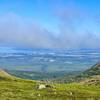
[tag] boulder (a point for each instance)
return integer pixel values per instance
(41, 86)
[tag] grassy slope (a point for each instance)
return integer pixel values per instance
(12, 88)
(94, 71)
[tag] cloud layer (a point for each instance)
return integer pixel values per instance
(20, 31)
(76, 30)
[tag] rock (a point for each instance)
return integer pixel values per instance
(41, 86)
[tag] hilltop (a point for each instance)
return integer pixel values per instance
(13, 88)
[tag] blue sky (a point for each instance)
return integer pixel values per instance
(52, 16)
(38, 10)
(43, 11)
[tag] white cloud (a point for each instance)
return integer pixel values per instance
(16, 30)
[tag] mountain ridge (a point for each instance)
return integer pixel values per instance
(90, 73)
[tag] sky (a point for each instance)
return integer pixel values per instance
(63, 24)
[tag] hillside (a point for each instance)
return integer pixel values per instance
(94, 70)
(4, 75)
(13, 88)
(95, 80)
(90, 73)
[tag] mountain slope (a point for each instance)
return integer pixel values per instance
(90, 73)
(13, 88)
(93, 74)
(5, 76)
(93, 80)
(94, 70)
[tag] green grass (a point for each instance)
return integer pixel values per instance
(20, 89)
(13, 88)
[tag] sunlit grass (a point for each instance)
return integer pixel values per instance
(19, 89)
